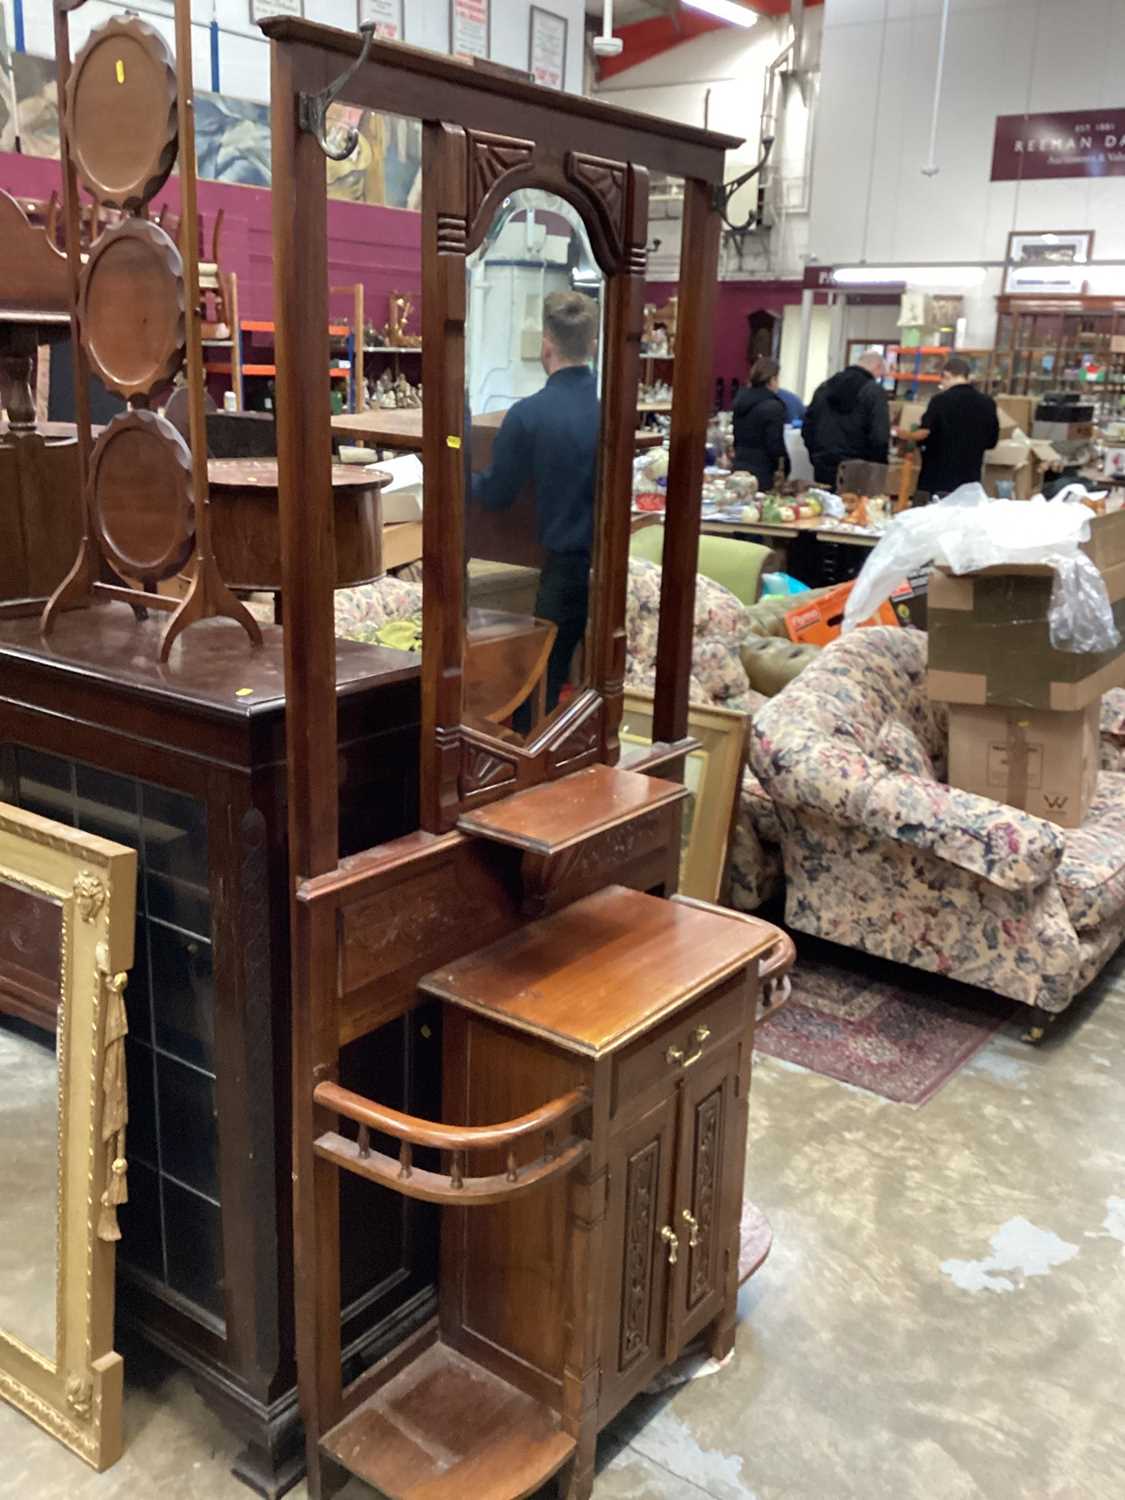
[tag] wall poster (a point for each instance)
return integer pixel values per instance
(468, 28)
(547, 48)
(386, 15)
(265, 10)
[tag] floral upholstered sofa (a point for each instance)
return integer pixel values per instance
(881, 855)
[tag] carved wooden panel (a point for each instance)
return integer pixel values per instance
(605, 185)
(641, 1183)
(706, 1170)
(492, 157)
(485, 769)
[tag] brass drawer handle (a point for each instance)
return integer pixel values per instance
(672, 1240)
(676, 1055)
(693, 1226)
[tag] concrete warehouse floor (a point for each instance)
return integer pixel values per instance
(942, 1317)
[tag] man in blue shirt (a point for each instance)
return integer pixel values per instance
(551, 440)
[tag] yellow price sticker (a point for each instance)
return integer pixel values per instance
(244, 692)
(119, 69)
(452, 441)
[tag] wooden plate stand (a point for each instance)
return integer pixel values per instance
(126, 65)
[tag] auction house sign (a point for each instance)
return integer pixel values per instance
(1070, 145)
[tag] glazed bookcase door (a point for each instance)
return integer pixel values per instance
(642, 1163)
(75, 893)
(700, 1212)
(467, 177)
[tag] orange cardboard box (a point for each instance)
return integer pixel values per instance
(818, 623)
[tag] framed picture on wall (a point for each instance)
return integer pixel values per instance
(265, 10)
(468, 28)
(1043, 262)
(546, 61)
(386, 15)
(712, 775)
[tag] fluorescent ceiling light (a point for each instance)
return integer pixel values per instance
(909, 275)
(724, 10)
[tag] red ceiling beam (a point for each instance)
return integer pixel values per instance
(647, 39)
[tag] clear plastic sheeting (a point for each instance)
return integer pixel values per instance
(968, 531)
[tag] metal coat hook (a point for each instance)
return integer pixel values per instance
(312, 115)
(725, 191)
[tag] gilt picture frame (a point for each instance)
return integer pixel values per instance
(712, 775)
(73, 1390)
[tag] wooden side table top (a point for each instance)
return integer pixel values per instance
(261, 474)
(603, 970)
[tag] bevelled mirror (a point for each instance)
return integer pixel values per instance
(535, 302)
(533, 313)
(66, 939)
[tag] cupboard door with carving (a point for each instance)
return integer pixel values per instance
(642, 1163)
(705, 1204)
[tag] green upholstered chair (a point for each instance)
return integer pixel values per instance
(736, 564)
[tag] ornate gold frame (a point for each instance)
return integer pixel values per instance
(77, 1396)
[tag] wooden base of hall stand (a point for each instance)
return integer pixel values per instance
(587, 1153)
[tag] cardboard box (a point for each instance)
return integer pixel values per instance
(1021, 409)
(402, 544)
(1021, 462)
(1043, 763)
(989, 636)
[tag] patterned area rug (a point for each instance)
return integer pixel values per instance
(894, 1031)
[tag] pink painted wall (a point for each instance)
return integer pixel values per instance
(379, 246)
(734, 302)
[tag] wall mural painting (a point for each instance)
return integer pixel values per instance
(7, 91)
(232, 137)
(37, 105)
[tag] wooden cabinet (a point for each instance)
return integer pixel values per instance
(575, 1267)
(185, 763)
(675, 1168)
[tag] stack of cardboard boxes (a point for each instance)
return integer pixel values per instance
(1023, 717)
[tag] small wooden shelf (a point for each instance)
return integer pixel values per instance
(447, 1429)
(549, 818)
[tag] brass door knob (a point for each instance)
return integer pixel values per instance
(693, 1227)
(672, 1240)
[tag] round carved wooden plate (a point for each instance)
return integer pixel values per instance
(121, 113)
(131, 308)
(140, 480)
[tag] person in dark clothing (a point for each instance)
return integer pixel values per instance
(848, 417)
(960, 425)
(759, 425)
(551, 440)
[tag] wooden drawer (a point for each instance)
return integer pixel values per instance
(696, 1032)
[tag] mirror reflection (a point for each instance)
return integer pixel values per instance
(30, 958)
(533, 397)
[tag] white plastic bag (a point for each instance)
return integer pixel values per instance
(967, 531)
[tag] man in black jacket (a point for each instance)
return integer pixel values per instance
(848, 417)
(551, 440)
(959, 427)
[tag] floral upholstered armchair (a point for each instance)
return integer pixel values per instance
(881, 855)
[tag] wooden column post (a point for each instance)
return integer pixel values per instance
(691, 408)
